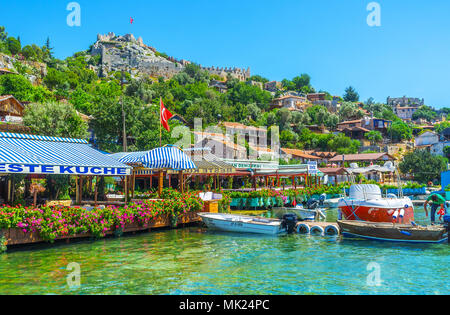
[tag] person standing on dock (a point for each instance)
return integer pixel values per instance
(436, 202)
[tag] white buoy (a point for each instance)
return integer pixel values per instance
(303, 228)
(395, 215)
(331, 230)
(402, 213)
(317, 230)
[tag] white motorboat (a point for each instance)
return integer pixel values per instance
(301, 213)
(332, 203)
(246, 224)
(366, 203)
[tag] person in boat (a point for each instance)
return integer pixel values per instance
(437, 201)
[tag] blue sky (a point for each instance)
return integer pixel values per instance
(328, 39)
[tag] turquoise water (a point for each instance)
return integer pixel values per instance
(197, 261)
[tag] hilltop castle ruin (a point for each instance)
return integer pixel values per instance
(131, 54)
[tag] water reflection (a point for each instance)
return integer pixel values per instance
(199, 261)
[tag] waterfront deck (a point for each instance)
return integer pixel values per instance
(15, 236)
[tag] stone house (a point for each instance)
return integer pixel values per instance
(405, 101)
(272, 86)
(223, 149)
(255, 83)
(426, 140)
(377, 124)
(313, 97)
(405, 113)
(292, 102)
(220, 86)
(444, 141)
(262, 153)
(353, 129)
(249, 131)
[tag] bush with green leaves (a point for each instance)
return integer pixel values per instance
(424, 166)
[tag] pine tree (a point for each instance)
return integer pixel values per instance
(49, 48)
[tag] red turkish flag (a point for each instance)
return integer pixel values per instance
(165, 116)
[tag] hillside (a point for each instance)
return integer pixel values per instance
(88, 84)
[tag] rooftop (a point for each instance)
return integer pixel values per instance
(300, 153)
(361, 157)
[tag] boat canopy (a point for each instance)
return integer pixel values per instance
(365, 192)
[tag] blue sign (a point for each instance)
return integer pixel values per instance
(312, 168)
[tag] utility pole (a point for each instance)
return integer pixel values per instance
(124, 132)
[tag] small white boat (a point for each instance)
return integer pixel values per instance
(301, 213)
(332, 203)
(243, 223)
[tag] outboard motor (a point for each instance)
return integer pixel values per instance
(322, 198)
(289, 222)
(312, 204)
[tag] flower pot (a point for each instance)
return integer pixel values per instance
(235, 202)
(273, 201)
(253, 202)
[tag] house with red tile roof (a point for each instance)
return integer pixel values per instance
(291, 102)
(364, 158)
(299, 155)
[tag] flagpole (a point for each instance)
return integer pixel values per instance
(160, 118)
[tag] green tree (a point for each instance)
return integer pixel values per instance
(425, 112)
(254, 111)
(196, 72)
(343, 145)
(13, 45)
(447, 152)
(374, 136)
(351, 95)
(349, 111)
(22, 89)
(55, 119)
(400, 130)
(442, 126)
(302, 81)
(423, 165)
(29, 53)
(243, 93)
(259, 78)
(288, 138)
(48, 48)
(3, 34)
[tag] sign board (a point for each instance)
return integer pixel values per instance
(312, 168)
(62, 170)
(242, 164)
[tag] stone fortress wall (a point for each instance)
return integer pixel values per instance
(131, 54)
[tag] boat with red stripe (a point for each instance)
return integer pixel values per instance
(366, 203)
